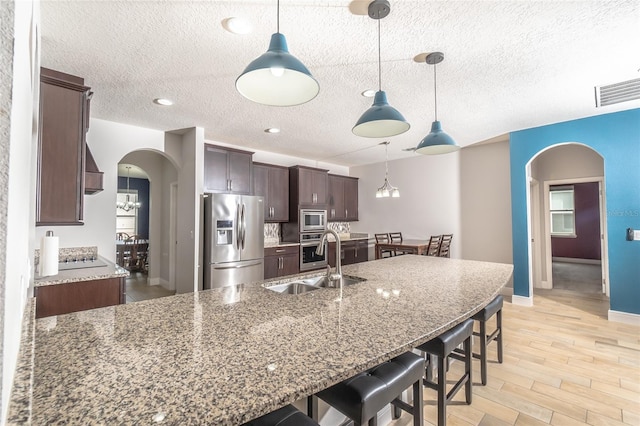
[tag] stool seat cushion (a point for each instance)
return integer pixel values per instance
(285, 416)
(445, 343)
(363, 395)
(494, 306)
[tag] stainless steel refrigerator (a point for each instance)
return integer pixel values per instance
(233, 240)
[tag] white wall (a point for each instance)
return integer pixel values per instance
(429, 202)
(486, 202)
(22, 69)
(109, 143)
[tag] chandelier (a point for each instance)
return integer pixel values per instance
(128, 205)
(387, 190)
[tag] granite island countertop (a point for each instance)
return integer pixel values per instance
(225, 356)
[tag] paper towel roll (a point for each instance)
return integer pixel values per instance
(49, 255)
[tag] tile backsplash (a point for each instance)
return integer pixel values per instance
(340, 227)
(271, 233)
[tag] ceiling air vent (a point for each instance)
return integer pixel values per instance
(618, 92)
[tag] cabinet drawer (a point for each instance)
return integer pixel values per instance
(281, 250)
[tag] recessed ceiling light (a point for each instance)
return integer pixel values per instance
(163, 101)
(237, 25)
(369, 93)
(272, 130)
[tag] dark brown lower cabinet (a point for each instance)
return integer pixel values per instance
(58, 299)
(281, 261)
(354, 251)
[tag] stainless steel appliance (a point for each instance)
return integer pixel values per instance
(313, 220)
(233, 240)
(309, 259)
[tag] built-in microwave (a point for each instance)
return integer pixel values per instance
(313, 220)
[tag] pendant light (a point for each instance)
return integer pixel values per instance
(436, 142)
(277, 77)
(387, 190)
(128, 205)
(381, 120)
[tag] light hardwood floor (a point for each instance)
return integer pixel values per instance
(564, 364)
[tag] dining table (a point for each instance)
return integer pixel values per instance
(405, 247)
(128, 251)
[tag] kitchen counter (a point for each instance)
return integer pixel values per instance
(272, 244)
(227, 355)
(109, 270)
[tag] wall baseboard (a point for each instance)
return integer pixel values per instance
(153, 281)
(575, 260)
(544, 284)
(624, 317)
(522, 300)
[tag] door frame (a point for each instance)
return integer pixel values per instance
(173, 233)
(604, 253)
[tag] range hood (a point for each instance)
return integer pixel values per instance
(92, 175)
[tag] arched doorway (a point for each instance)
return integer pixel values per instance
(563, 235)
(159, 206)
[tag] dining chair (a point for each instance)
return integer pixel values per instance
(434, 245)
(384, 239)
(445, 244)
(396, 237)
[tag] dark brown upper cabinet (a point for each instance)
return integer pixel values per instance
(308, 187)
(227, 170)
(64, 120)
(343, 198)
(272, 183)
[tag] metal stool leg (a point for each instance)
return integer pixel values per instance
(499, 325)
(442, 391)
(468, 361)
(483, 352)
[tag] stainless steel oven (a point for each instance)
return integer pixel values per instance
(313, 220)
(308, 258)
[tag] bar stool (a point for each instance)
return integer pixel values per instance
(444, 347)
(362, 396)
(285, 416)
(494, 307)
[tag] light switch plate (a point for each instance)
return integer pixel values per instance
(636, 235)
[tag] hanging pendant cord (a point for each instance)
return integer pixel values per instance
(379, 60)
(386, 161)
(435, 91)
(278, 19)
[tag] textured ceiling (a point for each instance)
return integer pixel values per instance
(508, 65)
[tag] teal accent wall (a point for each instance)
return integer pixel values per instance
(616, 137)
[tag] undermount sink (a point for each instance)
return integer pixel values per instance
(313, 283)
(295, 287)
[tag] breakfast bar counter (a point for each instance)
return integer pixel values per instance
(228, 355)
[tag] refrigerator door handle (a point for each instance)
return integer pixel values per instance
(244, 224)
(258, 262)
(238, 227)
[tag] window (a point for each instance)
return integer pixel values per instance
(562, 211)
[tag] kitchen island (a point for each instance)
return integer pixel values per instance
(227, 355)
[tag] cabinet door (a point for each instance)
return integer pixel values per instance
(279, 194)
(78, 296)
(350, 187)
(349, 253)
(290, 264)
(261, 188)
(271, 266)
(240, 172)
(60, 184)
(361, 253)
(312, 187)
(215, 170)
(335, 198)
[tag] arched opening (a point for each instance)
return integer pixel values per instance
(566, 217)
(146, 213)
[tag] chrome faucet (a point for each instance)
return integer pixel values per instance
(320, 250)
